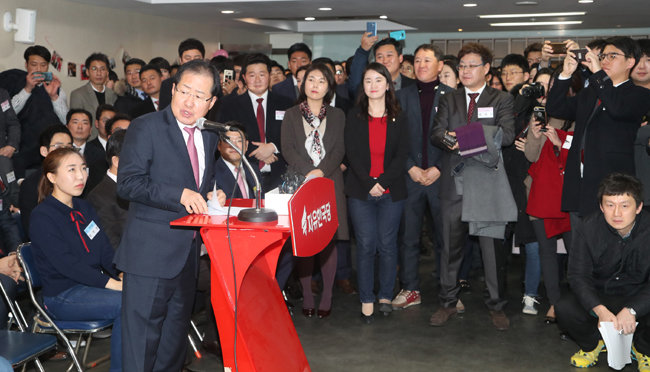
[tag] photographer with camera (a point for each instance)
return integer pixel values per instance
(529, 101)
(607, 113)
(547, 147)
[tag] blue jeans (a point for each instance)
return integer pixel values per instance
(376, 224)
(89, 303)
(533, 269)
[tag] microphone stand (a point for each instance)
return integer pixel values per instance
(257, 214)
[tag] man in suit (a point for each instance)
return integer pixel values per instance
(188, 50)
(38, 104)
(110, 208)
(166, 170)
(420, 102)
(95, 93)
(134, 94)
(607, 113)
(228, 162)
(97, 147)
(261, 112)
(476, 102)
(78, 122)
(150, 78)
(299, 55)
(388, 52)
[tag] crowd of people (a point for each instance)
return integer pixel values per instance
(549, 144)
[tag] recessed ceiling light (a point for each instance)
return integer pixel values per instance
(470, 5)
(227, 11)
(383, 17)
(325, 9)
(550, 23)
(526, 3)
(310, 19)
(529, 15)
(585, 1)
(460, 30)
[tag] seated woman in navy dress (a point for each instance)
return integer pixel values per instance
(72, 253)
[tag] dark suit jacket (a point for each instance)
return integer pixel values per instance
(9, 124)
(241, 109)
(165, 93)
(143, 107)
(452, 113)
(607, 137)
(97, 165)
(154, 169)
(127, 103)
(110, 208)
(357, 149)
(409, 99)
(293, 148)
(286, 89)
(28, 199)
(226, 181)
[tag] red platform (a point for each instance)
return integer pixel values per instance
(266, 337)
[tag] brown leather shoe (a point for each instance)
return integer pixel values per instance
(440, 317)
(500, 320)
(346, 286)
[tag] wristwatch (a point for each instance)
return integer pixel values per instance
(631, 310)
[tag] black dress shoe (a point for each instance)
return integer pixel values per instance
(324, 313)
(212, 347)
(385, 308)
(308, 312)
(368, 319)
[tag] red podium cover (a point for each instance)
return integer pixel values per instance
(313, 217)
(247, 301)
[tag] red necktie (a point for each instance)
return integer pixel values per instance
(472, 106)
(194, 156)
(260, 123)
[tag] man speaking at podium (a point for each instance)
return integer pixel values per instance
(166, 171)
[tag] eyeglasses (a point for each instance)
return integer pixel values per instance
(468, 67)
(60, 146)
(95, 68)
(610, 56)
(187, 95)
(339, 72)
(505, 74)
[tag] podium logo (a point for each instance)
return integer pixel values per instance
(314, 220)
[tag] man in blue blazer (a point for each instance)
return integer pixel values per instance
(299, 55)
(420, 101)
(166, 171)
(257, 109)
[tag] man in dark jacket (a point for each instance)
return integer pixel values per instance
(609, 272)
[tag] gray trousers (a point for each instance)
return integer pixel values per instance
(454, 235)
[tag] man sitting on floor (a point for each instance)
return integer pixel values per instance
(609, 272)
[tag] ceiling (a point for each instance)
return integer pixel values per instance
(415, 15)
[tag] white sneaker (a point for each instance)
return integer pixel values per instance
(406, 298)
(529, 305)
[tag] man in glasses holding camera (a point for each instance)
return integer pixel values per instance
(607, 113)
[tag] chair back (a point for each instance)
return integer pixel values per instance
(26, 258)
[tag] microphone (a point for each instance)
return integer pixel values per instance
(203, 123)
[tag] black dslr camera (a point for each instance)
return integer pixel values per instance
(533, 91)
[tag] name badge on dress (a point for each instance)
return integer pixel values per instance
(567, 142)
(279, 115)
(11, 177)
(485, 112)
(91, 230)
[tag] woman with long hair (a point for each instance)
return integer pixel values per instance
(376, 145)
(312, 145)
(72, 253)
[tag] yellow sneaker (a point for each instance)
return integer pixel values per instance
(643, 361)
(586, 359)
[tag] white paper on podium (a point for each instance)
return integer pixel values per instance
(618, 345)
(214, 209)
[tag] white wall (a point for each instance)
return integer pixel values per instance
(76, 30)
